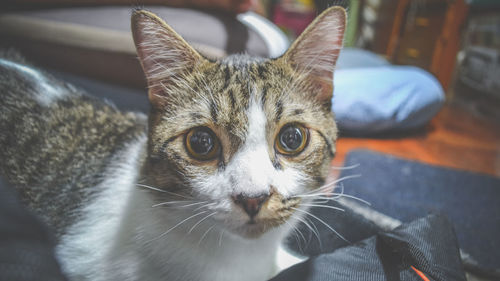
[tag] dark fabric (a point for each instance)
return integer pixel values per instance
(406, 190)
(427, 244)
(316, 238)
(26, 248)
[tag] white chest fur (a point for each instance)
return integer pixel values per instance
(205, 253)
(121, 237)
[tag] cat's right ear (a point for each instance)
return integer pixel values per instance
(163, 54)
(316, 50)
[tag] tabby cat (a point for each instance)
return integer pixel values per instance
(205, 187)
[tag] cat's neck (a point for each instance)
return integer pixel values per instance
(172, 245)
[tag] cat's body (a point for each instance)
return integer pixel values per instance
(206, 190)
(94, 236)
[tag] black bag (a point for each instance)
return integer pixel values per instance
(423, 250)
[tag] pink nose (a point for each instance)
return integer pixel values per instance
(251, 204)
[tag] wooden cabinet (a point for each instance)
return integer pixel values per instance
(427, 34)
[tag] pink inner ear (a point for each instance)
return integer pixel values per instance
(316, 51)
(164, 55)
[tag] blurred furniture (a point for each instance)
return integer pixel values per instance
(427, 34)
(387, 99)
(480, 70)
(423, 33)
(479, 66)
(96, 41)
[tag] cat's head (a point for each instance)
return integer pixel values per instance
(243, 140)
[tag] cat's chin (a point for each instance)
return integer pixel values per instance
(254, 229)
(251, 231)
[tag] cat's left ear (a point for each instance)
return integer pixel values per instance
(165, 57)
(316, 50)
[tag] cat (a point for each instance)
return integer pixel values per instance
(204, 188)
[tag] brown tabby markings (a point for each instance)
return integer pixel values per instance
(53, 154)
(188, 91)
(267, 82)
(56, 153)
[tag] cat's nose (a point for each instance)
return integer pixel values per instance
(251, 204)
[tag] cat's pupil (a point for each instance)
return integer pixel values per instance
(291, 138)
(201, 142)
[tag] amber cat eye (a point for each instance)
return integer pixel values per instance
(202, 144)
(292, 139)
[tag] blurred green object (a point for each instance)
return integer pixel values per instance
(353, 8)
(352, 23)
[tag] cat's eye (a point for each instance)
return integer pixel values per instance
(202, 144)
(292, 139)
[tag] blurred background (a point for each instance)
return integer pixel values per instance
(417, 91)
(457, 41)
(448, 116)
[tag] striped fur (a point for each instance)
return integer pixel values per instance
(136, 204)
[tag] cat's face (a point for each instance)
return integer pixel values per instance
(241, 139)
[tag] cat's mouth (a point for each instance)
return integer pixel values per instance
(254, 227)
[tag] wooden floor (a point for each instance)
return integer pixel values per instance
(458, 137)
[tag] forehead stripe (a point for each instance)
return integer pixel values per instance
(232, 99)
(279, 110)
(261, 70)
(263, 97)
(227, 77)
(213, 111)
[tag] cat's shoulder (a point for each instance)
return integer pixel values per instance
(57, 141)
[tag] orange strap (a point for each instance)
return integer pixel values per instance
(420, 274)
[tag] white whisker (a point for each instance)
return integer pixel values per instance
(331, 196)
(324, 206)
(295, 231)
(321, 221)
(204, 206)
(200, 221)
(177, 202)
(220, 237)
(161, 190)
(330, 184)
(323, 201)
(356, 198)
(327, 196)
(315, 232)
(205, 234)
(150, 187)
(345, 167)
(175, 226)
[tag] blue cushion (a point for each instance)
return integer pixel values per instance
(356, 58)
(383, 97)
